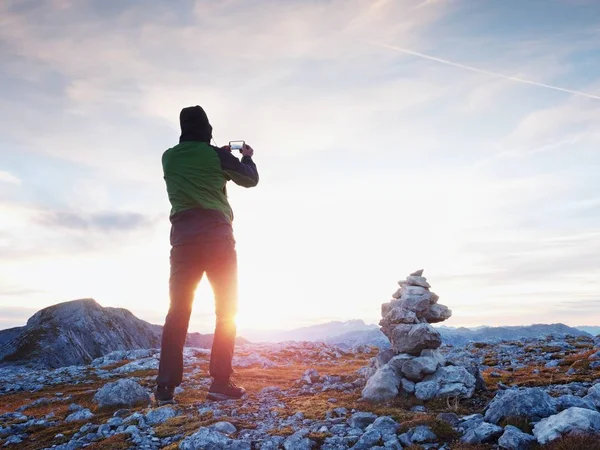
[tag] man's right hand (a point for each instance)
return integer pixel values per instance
(247, 150)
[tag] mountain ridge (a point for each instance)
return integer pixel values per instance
(77, 331)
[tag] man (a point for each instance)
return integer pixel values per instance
(202, 242)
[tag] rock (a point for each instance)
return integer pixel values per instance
(384, 357)
(482, 433)
(160, 415)
(449, 381)
(298, 441)
(398, 315)
(515, 439)
(417, 273)
(408, 290)
(437, 313)
(416, 280)
(361, 420)
(224, 427)
(572, 420)
(593, 395)
(207, 439)
(367, 440)
(418, 304)
(83, 414)
(422, 434)
(382, 386)
(407, 386)
(568, 401)
(416, 369)
(121, 393)
(532, 403)
(386, 426)
(413, 339)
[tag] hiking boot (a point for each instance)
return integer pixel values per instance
(164, 395)
(225, 390)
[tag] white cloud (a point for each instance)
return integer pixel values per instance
(7, 177)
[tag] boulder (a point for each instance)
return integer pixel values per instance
(408, 290)
(593, 395)
(416, 369)
(413, 339)
(531, 403)
(122, 393)
(417, 303)
(515, 439)
(207, 439)
(415, 280)
(83, 414)
(437, 313)
(160, 415)
(568, 401)
(382, 386)
(482, 433)
(572, 420)
(361, 420)
(449, 381)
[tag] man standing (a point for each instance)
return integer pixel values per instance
(202, 241)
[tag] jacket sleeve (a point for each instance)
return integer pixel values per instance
(243, 173)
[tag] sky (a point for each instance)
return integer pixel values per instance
(456, 136)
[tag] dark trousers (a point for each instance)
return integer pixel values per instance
(188, 264)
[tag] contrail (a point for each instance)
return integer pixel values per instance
(483, 71)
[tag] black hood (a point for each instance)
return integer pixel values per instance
(194, 125)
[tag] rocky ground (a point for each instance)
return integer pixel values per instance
(308, 396)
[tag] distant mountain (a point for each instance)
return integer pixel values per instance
(594, 331)
(76, 332)
(462, 336)
(320, 332)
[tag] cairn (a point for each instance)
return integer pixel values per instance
(414, 365)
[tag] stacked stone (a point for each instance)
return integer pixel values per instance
(414, 364)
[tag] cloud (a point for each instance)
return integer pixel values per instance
(7, 177)
(486, 72)
(105, 222)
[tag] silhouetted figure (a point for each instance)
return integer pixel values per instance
(202, 242)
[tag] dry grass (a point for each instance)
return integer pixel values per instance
(575, 442)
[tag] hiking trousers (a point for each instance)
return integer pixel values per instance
(189, 263)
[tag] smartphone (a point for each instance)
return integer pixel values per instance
(237, 145)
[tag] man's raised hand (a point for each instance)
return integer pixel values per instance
(247, 150)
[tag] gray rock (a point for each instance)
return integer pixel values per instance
(532, 403)
(121, 393)
(415, 280)
(408, 290)
(224, 427)
(298, 441)
(368, 440)
(515, 439)
(593, 395)
(207, 439)
(408, 386)
(413, 339)
(437, 313)
(422, 434)
(417, 273)
(572, 420)
(160, 415)
(382, 386)
(449, 381)
(384, 357)
(482, 433)
(568, 401)
(83, 414)
(386, 426)
(417, 368)
(361, 420)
